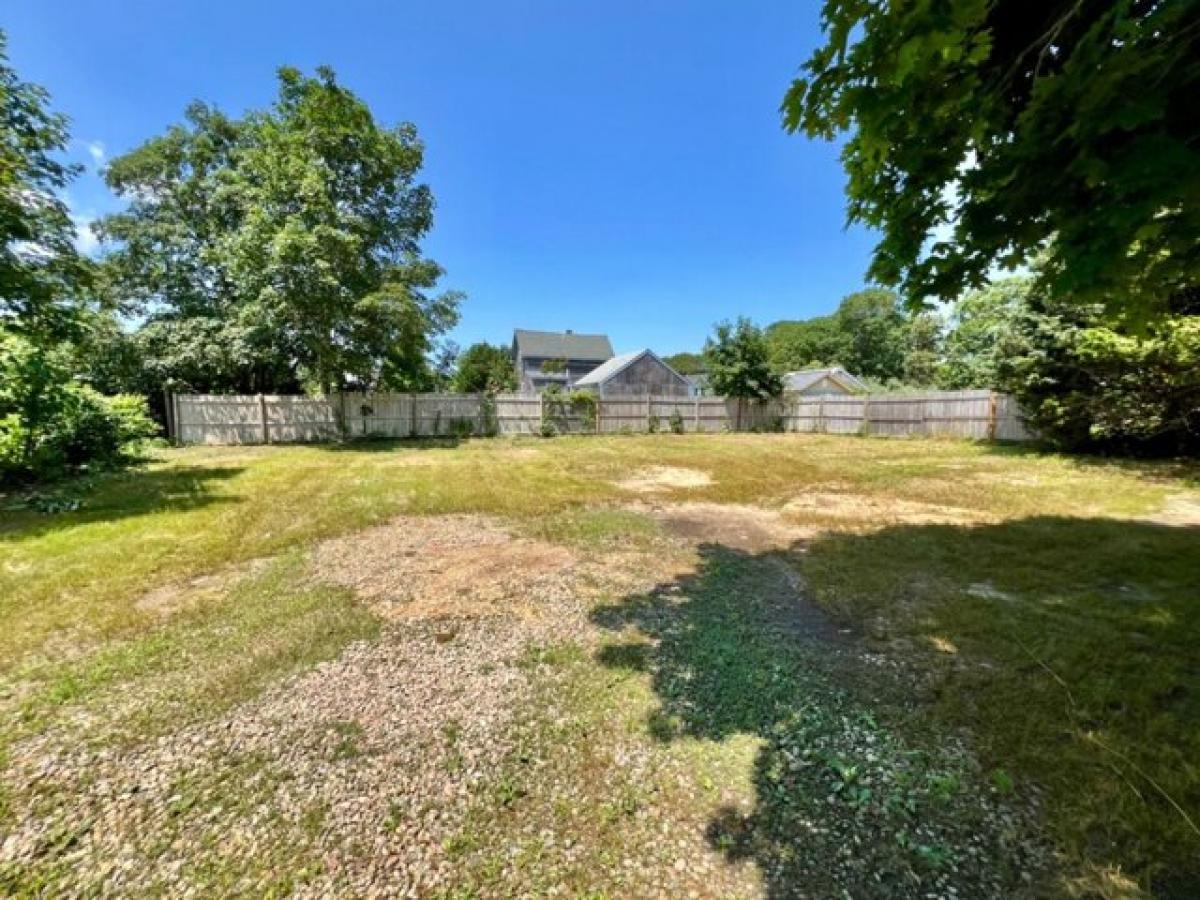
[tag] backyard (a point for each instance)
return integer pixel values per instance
(723, 665)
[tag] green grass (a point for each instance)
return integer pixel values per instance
(1061, 630)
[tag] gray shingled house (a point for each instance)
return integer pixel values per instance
(544, 358)
(636, 375)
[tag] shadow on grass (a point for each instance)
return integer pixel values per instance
(389, 445)
(1066, 647)
(113, 496)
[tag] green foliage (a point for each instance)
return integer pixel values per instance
(483, 368)
(50, 424)
(293, 235)
(560, 407)
(686, 363)
(1086, 383)
(980, 326)
(554, 366)
(1067, 128)
(870, 335)
(738, 364)
(41, 274)
(676, 423)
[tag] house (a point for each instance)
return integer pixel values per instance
(636, 375)
(823, 382)
(543, 358)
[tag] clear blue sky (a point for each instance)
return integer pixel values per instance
(602, 166)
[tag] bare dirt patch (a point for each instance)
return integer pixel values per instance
(446, 567)
(857, 509)
(167, 599)
(654, 479)
(748, 528)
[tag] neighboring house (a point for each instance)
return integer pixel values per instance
(700, 385)
(823, 382)
(636, 375)
(544, 358)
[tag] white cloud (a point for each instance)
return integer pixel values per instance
(86, 241)
(95, 150)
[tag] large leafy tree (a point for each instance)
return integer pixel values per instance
(41, 274)
(870, 335)
(290, 237)
(484, 368)
(738, 364)
(1009, 128)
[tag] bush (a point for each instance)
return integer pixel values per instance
(84, 429)
(676, 423)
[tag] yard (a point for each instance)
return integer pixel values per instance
(626, 666)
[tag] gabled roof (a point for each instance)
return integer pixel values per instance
(562, 345)
(605, 371)
(806, 378)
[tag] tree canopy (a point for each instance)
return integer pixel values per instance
(737, 362)
(870, 334)
(286, 242)
(41, 273)
(986, 133)
(483, 368)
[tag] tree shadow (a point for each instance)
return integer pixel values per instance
(911, 762)
(390, 445)
(111, 497)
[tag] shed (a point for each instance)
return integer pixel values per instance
(823, 382)
(636, 375)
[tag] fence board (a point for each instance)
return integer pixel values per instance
(247, 419)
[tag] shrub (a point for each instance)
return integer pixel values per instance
(461, 428)
(85, 429)
(676, 423)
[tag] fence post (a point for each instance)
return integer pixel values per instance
(262, 412)
(599, 412)
(696, 415)
(412, 415)
(647, 411)
(821, 414)
(169, 415)
(991, 428)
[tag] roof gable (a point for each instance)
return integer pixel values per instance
(617, 364)
(562, 345)
(806, 378)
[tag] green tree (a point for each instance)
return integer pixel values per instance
(1067, 128)
(738, 364)
(980, 328)
(873, 331)
(294, 231)
(686, 363)
(805, 344)
(483, 368)
(41, 273)
(1088, 384)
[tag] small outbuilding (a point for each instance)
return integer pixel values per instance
(823, 382)
(635, 375)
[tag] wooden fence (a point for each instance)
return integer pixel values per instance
(266, 418)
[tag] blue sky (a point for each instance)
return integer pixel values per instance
(602, 166)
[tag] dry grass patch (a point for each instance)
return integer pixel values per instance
(446, 567)
(656, 479)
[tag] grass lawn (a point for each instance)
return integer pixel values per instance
(1008, 650)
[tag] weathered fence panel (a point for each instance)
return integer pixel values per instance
(256, 419)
